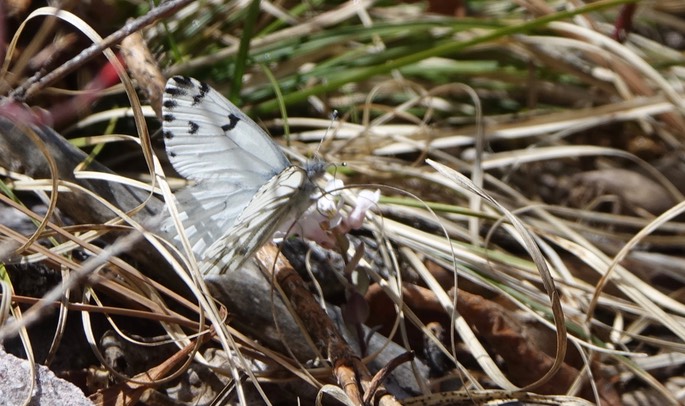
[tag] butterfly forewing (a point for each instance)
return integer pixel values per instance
(207, 136)
(245, 188)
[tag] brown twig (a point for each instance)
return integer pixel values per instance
(38, 82)
(128, 393)
(347, 367)
(144, 69)
(384, 373)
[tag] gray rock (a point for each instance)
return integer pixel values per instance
(48, 389)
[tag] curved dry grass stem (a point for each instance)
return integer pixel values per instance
(530, 246)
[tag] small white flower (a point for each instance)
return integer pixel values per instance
(328, 204)
(324, 221)
(365, 201)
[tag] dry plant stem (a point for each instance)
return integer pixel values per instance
(144, 69)
(112, 311)
(77, 277)
(16, 156)
(384, 373)
(509, 339)
(81, 208)
(38, 82)
(346, 365)
(129, 393)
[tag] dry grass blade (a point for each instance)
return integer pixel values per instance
(530, 246)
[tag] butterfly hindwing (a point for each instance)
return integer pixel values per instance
(283, 197)
(208, 209)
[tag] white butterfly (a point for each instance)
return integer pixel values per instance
(245, 188)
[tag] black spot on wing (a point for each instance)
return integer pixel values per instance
(170, 104)
(193, 127)
(168, 117)
(204, 89)
(168, 135)
(183, 81)
(174, 91)
(232, 122)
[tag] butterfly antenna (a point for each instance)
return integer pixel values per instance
(334, 116)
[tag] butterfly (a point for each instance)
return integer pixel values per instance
(244, 187)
